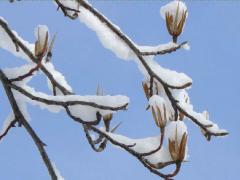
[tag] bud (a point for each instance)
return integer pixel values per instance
(175, 14)
(177, 140)
(146, 89)
(108, 117)
(41, 44)
(159, 110)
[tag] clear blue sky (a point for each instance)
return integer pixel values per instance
(212, 30)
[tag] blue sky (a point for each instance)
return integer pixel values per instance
(212, 30)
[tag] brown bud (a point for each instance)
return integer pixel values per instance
(177, 150)
(175, 23)
(108, 117)
(146, 90)
(41, 44)
(159, 117)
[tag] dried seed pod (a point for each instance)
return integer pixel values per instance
(176, 132)
(159, 111)
(177, 150)
(41, 44)
(175, 14)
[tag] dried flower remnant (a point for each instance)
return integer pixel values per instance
(177, 143)
(175, 14)
(41, 44)
(106, 118)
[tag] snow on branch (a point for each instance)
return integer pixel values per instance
(162, 83)
(14, 80)
(115, 40)
(165, 90)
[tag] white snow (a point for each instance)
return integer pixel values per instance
(83, 111)
(176, 129)
(12, 73)
(172, 78)
(171, 8)
(7, 44)
(201, 118)
(108, 39)
(145, 145)
(59, 176)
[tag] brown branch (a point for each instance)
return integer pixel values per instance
(101, 147)
(20, 45)
(19, 116)
(129, 43)
(28, 74)
(165, 51)
(65, 103)
(158, 148)
(205, 128)
(12, 124)
(66, 9)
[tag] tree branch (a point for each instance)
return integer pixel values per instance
(19, 116)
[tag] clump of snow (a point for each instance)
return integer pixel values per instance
(58, 174)
(172, 7)
(186, 47)
(109, 40)
(159, 47)
(176, 129)
(71, 4)
(172, 78)
(7, 44)
(86, 111)
(156, 100)
(201, 118)
(12, 73)
(145, 145)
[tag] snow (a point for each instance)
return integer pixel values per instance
(159, 47)
(112, 42)
(71, 4)
(12, 73)
(186, 47)
(145, 145)
(200, 117)
(158, 102)
(172, 78)
(85, 112)
(175, 129)
(59, 176)
(108, 39)
(7, 44)
(171, 8)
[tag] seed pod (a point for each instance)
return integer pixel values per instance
(41, 44)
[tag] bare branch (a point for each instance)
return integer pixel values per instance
(12, 124)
